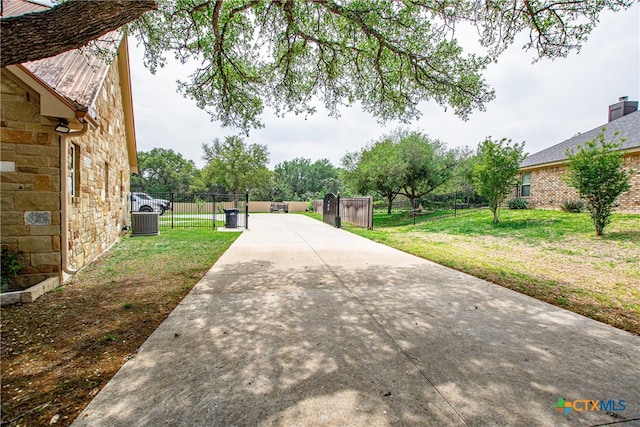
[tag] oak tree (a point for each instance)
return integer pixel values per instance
(69, 25)
(235, 165)
(163, 170)
(427, 164)
(375, 169)
(388, 56)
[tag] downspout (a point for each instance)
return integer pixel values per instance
(64, 197)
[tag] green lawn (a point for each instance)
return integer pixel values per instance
(550, 255)
(397, 219)
(189, 220)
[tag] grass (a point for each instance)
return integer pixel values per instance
(59, 351)
(398, 219)
(193, 220)
(550, 255)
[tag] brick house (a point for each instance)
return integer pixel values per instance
(68, 148)
(541, 173)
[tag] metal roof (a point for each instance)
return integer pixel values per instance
(78, 74)
(628, 126)
(20, 7)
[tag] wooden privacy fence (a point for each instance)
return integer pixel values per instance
(346, 211)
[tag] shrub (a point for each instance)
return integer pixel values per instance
(573, 206)
(11, 266)
(596, 171)
(518, 204)
(494, 174)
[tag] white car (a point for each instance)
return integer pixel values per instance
(142, 202)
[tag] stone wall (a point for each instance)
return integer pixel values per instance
(549, 191)
(30, 179)
(99, 210)
(30, 175)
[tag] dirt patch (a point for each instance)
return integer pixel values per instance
(58, 352)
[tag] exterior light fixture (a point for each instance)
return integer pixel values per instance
(63, 126)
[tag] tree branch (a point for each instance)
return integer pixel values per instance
(70, 25)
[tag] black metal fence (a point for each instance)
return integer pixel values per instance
(430, 208)
(194, 210)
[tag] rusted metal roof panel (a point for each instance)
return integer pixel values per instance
(77, 75)
(20, 7)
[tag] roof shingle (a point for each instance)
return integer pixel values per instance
(628, 127)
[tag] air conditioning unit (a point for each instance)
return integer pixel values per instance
(145, 223)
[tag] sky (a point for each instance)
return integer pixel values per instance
(541, 103)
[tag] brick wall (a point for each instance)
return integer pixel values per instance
(30, 179)
(30, 205)
(630, 201)
(549, 191)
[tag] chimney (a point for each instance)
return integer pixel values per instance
(622, 108)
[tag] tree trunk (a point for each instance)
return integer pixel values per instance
(390, 205)
(68, 26)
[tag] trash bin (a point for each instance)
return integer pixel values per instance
(231, 218)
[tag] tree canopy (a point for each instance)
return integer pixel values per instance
(403, 162)
(427, 164)
(163, 171)
(376, 169)
(386, 55)
(299, 179)
(234, 165)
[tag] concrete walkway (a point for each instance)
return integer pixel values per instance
(300, 323)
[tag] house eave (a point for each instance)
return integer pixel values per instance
(563, 162)
(127, 104)
(53, 106)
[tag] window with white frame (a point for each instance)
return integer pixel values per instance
(525, 189)
(74, 173)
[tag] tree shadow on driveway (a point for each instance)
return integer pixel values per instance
(324, 343)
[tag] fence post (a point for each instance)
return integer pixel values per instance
(338, 219)
(246, 211)
(455, 204)
(213, 200)
(413, 210)
(173, 207)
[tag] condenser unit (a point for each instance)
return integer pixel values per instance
(145, 224)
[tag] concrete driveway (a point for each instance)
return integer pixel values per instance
(299, 323)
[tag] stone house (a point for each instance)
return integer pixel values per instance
(68, 148)
(541, 173)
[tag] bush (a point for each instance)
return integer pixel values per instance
(573, 206)
(11, 266)
(518, 204)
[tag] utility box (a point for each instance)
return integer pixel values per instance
(145, 223)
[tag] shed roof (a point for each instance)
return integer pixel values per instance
(628, 127)
(76, 75)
